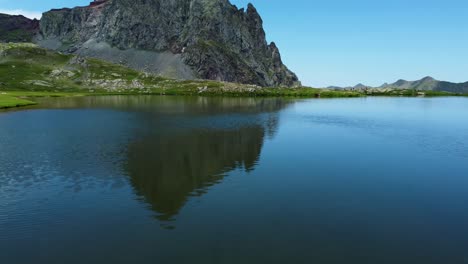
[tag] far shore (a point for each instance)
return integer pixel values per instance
(14, 99)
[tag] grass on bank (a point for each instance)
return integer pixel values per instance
(32, 94)
(7, 101)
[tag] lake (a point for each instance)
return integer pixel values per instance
(155, 179)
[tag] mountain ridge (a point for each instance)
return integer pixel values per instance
(427, 83)
(17, 28)
(186, 39)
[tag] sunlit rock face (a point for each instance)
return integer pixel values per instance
(209, 39)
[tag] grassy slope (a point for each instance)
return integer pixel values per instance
(19, 35)
(27, 68)
(7, 101)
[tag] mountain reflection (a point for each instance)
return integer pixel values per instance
(173, 160)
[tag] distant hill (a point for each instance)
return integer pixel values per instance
(17, 28)
(360, 86)
(425, 84)
(429, 84)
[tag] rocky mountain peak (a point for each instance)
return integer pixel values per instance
(98, 2)
(360, 86)
(400, 82)
(252, 13)
(208, 39)
(428, 79)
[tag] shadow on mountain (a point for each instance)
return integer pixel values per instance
(180, 157)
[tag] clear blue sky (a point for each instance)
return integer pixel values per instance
(344, 42)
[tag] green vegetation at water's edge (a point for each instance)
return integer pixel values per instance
(17, 96)
(32, 94)
(7, 101)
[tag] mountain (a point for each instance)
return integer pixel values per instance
(428, 84)
(357, 87)
(185, 39)
(360, 86)
(17, 28)
(425, 84)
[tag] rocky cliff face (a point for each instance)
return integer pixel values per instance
(17, 28)
(209, 39)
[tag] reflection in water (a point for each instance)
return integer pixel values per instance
(166, 170)
(168, 104)
(80, 181)
(169, 163)
(173, 147)
(182, 145)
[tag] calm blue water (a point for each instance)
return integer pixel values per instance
(227, 180)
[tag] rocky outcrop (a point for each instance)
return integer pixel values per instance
(208, 39)
(17, 28)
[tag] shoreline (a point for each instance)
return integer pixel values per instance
(14, 99)
(18, 99)
(7, 102)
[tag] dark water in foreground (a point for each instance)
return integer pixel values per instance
(225, 180)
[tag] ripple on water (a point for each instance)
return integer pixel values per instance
(428, 136)
(338, 178)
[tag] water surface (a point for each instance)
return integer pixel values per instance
(143, 179)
